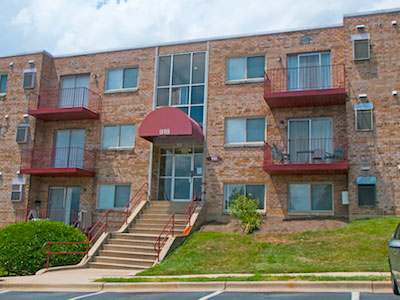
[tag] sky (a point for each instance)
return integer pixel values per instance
(73, 26)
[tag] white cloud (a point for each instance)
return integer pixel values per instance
(65, 26)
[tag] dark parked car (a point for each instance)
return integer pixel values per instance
(394, 260)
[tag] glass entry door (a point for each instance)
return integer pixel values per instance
(64, 204)
(69, 151)
(74, 91)
(180, 173)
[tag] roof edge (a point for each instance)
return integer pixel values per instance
(373, 12)
(27, 53)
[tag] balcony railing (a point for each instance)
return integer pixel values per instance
(59, 160)
(322, 85)
(65, 104)
(303, 155)
(67, 216)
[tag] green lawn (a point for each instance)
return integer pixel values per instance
(360, 246)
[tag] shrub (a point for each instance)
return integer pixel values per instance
(245, 209)
(21, 246)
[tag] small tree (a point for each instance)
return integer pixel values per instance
(245, 209)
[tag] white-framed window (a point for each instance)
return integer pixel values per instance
(16, 192)
(3, 83)
(244, 130)
(22, 133)
(29, 78)
(118, 136)
(245, 68)
(253, 191)
(121, 79)
(306, 198)
(364, 116)
(113, 195)
(361, 46)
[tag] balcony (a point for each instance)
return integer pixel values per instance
(65, 104)
(305, 86)
(306, 156)
(66, 161)
(67, 216)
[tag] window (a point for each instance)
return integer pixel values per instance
(244, 130)
(366, 191)
(3, 83)
(16, 192)
(253, 191)
(118, 79)
(180, 83)
(29, 78)
(244, 68)
(363, 116)
(113, 196)
(361, 46)
(22, 133)
(118, 136)
(310, 197)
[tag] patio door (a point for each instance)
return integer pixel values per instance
(64, 204)
(69, 152)
(74, 91)
(180, 173)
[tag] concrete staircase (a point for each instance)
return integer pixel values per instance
(134, 248)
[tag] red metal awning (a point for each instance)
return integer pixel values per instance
(168, 125)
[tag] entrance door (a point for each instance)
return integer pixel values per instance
(69, 152)
(74, 91)
(180, 173)
(64, 204)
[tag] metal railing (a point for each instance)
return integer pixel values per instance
(169, 227)
(58, 157)
(101, 225)
(305, 151)
(304, 78)
(65, 98)
(68, 216)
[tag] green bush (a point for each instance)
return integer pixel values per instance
(245, 209)
(21, 246)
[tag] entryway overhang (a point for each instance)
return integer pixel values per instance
(170, 125)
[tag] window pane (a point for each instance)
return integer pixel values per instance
(361, 49)
(110, 136)
(198, 165)
(230, 193)
(164, 189)
(198, 68)
(198, 94)
(106, 196)
(364, 119)
(122, 195)
(182, 189)
(255, 130)
(181, 69)
(127, 135)
(196, 187)
(366, 195)
(3, 83)
(164, 66)
(321, 196)
(130, 78)
(165, 165)
(114, 78)
(236, 68)
(235, 131)
(196, 114)
(182, 166)
(163, 97)
(256, 192)
(255, 67)
(184, 109)
(299, 197)
(180, 96)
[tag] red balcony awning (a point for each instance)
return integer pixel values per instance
(168, 125)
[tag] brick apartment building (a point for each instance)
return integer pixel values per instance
(316, 135)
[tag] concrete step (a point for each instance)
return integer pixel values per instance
(136, 236)
(99, 265)
(124, 254)
(158, 227)
(131, 243)
(144, 263)
(151, 231)
(162, 217)
(146, 248)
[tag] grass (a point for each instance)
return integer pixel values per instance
(361, 246)
(250, 278)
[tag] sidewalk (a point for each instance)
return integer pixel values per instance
(83, 280)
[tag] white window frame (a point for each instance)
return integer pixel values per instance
(226, 210)
(19, 189)
(26, 133)
(122, 89)
(245, 143)
(361, 37)
(311, 212)
(1, 78)
(115, 188)
(119, 138)
(356, 117)
(246, 79)
(33, 80)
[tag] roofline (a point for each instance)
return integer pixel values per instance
(28, 53)
(202, 40)
(374, 12)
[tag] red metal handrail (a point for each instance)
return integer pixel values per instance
(103, 228)
(189, 212)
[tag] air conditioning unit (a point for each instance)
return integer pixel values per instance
(29, 78)
(22, 133)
